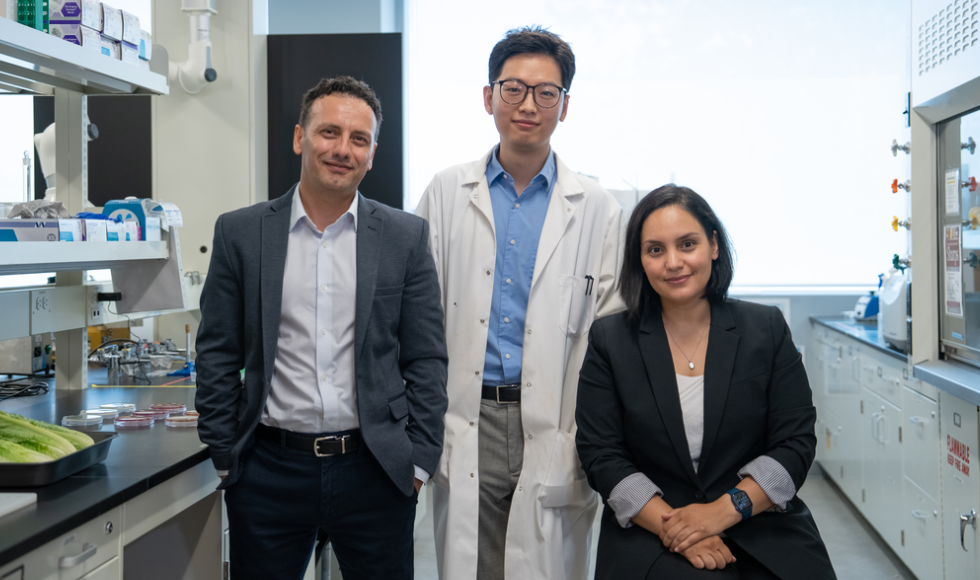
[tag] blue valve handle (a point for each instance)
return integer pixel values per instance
(973, 261)
(897, 264)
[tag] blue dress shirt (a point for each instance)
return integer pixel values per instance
(518, 221)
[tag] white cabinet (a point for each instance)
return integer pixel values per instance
(882, 467)
(109, 571)
(960, 487)
(920, 439)
(838, 455)
(75, 554)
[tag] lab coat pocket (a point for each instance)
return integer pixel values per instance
(577, 305)
(565, 483)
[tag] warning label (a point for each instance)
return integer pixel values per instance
(958, 455)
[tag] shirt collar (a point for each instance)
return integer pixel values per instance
(549, 172)
(298, 212)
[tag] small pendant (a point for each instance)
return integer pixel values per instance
(690, 364)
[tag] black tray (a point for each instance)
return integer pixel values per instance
(35, 474)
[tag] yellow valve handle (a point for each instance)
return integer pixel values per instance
(895, 223)
(974, 217)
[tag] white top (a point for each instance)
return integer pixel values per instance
(691, 391)
(313, 379)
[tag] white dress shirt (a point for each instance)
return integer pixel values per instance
(313, 380)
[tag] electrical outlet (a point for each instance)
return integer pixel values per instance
(40, 303)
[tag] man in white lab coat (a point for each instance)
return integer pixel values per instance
(527, 256)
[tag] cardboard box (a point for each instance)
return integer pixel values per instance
(28, 230)
(152, 231)
(130, 28)
(94, 230)
(146, 45)
(112, 22)
(111, 48)
(65, 11)
(70, 230)
(132, 232)
(129, 53)
(115, 232)
(78, 34)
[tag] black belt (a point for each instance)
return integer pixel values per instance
(503, 393)
(321, 446)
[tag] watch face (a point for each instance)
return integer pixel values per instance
(741, 501)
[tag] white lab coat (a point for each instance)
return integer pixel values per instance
(549, 531)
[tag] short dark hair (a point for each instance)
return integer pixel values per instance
(534, 40)
(343, 85)
(633, 284)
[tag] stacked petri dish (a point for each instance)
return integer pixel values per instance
(181, 421)
(83, 422)
(121, 408)
(169, 408)
(151, 414)
(106, 414)
(129, 422)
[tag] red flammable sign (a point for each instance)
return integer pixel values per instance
(958, 455)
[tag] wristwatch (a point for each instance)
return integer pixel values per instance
(742, 503)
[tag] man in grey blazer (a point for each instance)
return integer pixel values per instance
(330, 303)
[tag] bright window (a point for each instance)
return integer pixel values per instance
(780, 114)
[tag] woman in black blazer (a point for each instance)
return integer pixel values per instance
(695, 420)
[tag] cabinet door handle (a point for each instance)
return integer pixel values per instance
(918, 420)
(882, 419)
(88, 550)
(874, 425)
(970, 518)
(918, 515)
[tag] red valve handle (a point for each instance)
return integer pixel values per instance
(973, 184)
(895, 186)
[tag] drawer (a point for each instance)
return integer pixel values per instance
(922, 387)
(884, 377)
(74, 554)
(920, 439)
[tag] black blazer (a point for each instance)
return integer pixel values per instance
(757, 401)
(399, 338)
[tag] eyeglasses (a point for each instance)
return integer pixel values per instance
(546, 95)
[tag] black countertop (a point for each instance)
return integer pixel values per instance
(138, 460)
(866, 332)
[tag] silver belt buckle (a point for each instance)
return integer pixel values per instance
(343, 445)
(499, 402)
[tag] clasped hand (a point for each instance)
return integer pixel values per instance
(685, 527)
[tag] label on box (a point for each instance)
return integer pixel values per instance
(130, 28)
(91, 39)
(172, 213)
(70, 230)
(110, 47)
(95, 230)
(65, 11)
(112, 22)
(132, 232)
(146, 46)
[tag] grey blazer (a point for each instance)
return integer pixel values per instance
(399, 338)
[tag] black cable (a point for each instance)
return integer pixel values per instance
(8, 392)
(129, 321)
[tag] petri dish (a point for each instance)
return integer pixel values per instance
(150, 414)
(106, 414)
(169, 408)
(81, 420)
(181, 421)
(132, 422)
(191, 413)
(121, 407)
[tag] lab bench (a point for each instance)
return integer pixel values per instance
(895, 439)
(149, 510)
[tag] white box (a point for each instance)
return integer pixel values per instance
(111, 48)
(146, 45)
(71, 32)
(92, 14)
(95, 230)
(130, 28)
(129, 53)
(115, 231)
(70, 230)
(152, 233)
(132, 232)
(112, 22)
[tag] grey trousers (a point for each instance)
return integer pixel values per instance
(501, 459)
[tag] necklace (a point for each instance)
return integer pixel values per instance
(690, 360)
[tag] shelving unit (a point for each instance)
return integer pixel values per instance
(32, 62)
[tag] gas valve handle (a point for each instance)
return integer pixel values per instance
(901, 264)
(973, 261)
(971, 183)
(907, 186)
(970, 144)
(970, 518)
(907, 224)
(896, 147)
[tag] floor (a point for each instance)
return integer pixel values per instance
(856, 551)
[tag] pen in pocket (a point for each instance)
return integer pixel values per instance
(589, 281)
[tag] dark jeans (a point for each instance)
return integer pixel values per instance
(671, 566)
(285, 495)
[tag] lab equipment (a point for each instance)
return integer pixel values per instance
(866, 307)
(893, 303)
(26, 355)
